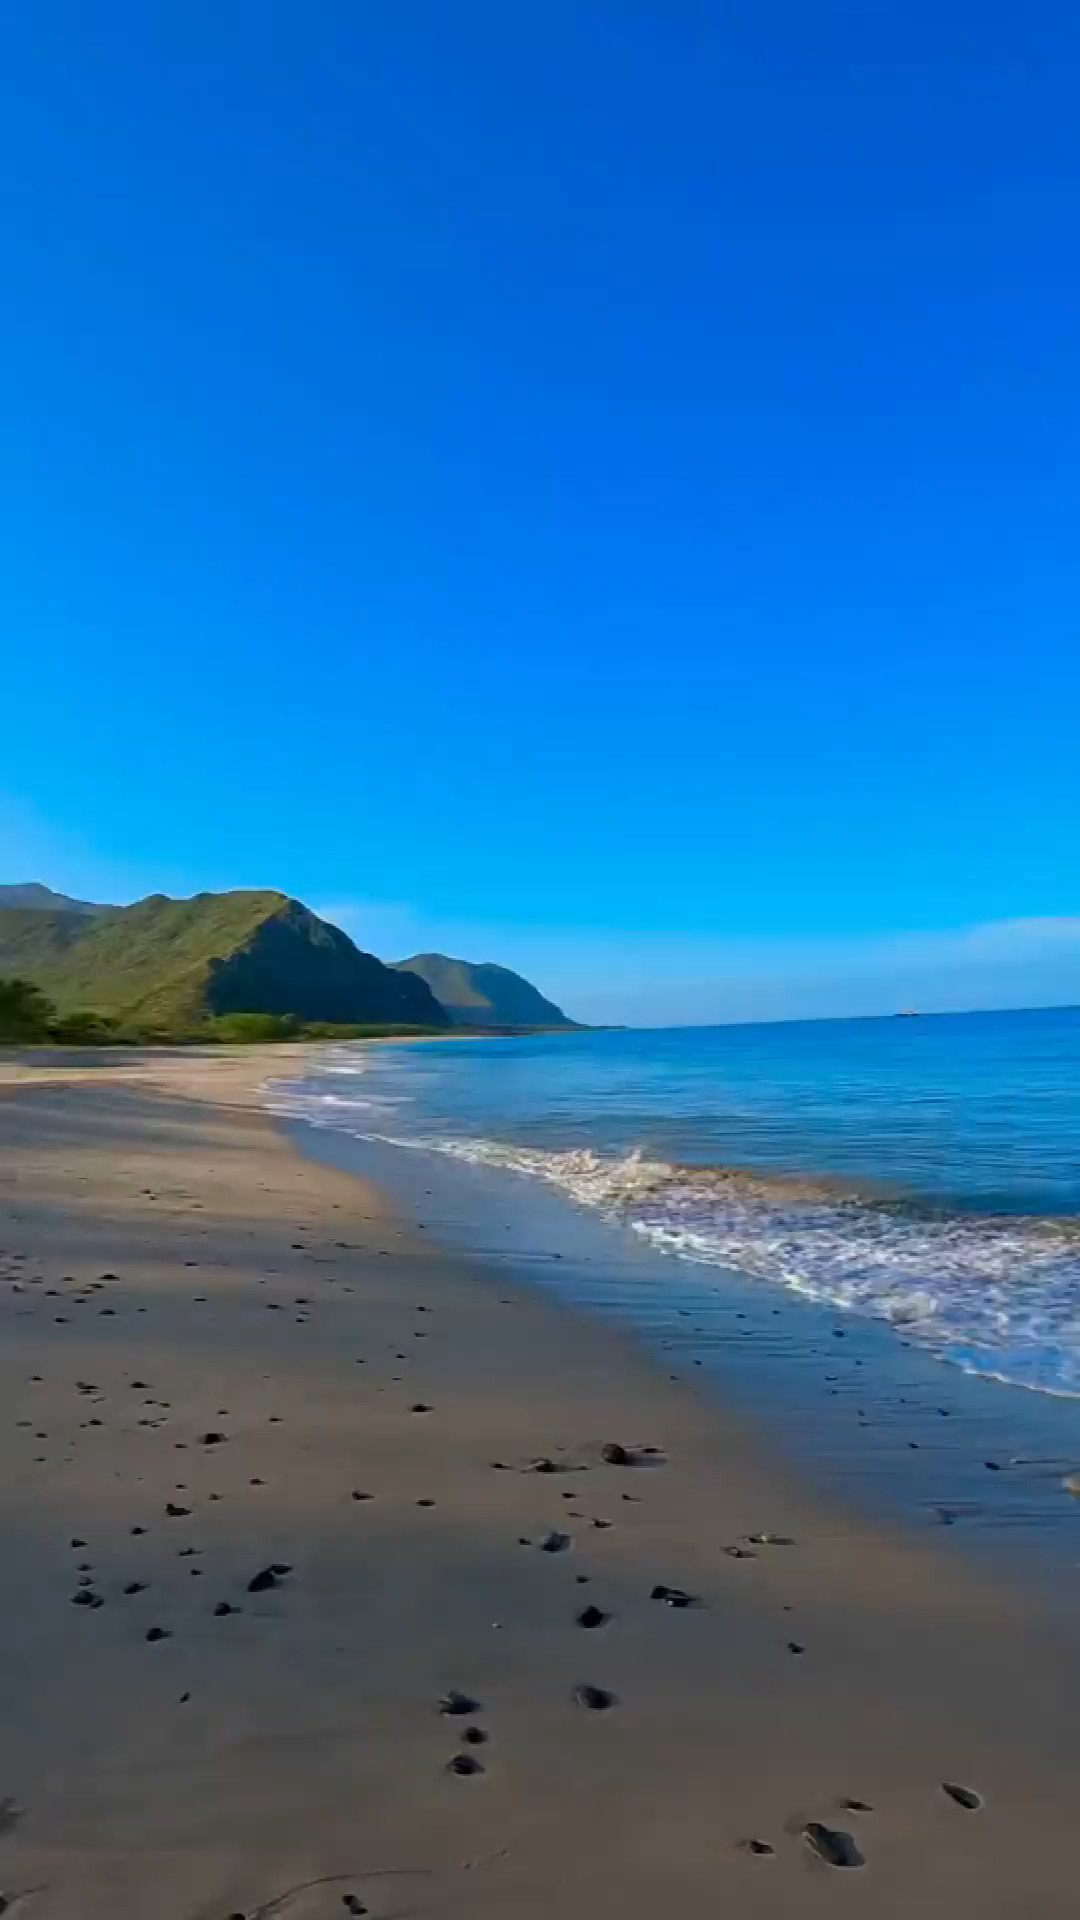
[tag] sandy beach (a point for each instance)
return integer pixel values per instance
(319, 1595)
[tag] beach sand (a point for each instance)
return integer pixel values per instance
(217, 1357)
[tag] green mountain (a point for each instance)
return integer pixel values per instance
(172, 963)
(31, 893)
(480, 994)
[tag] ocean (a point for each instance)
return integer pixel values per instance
(920, 1173)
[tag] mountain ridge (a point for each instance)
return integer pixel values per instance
(179, 963)
(41, 899)
(482, 993)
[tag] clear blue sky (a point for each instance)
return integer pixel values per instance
(600, 479)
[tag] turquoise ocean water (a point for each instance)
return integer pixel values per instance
(922, 1173)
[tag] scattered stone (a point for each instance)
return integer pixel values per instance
(674, 1597)
(770, 1539)
(158, 1633)
(615, 1455)
(268, 1577)
(758, 1847)
(223, 1607)
(740, 1553)
(85, 1597)
(594, 1699)
(419, 1407)
(965, 1797)
(544, 1465)
(214, 1439)
(362, 1496)
(555, 1543)
(135, 1586)
(474, 1737)
(592, 1617)
(856, 1806)
(176, 1513)
(352, 1904)
(832, 1845)
(794, 1647)
(453, 1705)
(465, 1764)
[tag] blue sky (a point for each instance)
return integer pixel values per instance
(599, 483)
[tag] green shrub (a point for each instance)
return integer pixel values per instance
(25, 1013)
(83, 1029)
(250, 1028)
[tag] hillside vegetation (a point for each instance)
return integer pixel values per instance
(176, 964)
(480, 994)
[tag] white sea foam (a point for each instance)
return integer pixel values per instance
(998, 1296)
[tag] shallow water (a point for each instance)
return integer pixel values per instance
(921, 1173)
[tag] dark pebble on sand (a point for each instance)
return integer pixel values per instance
(759, 1847)
(214, 1439)
(615, 1455)
(223, 1607)
(157, 1633)
(965, 1797)
(419, 1407)
(673, 1596)
(794, 1647)
(592, 1617)
(362, 1496)
(268, 1577)
(474, 1737)
(85, 1598)
(135, 1586)
(176, 1513)
(544, 1465)
(465, 1764)
(594, 1699)
(832, 1845)
(352, 1904)
(555, 1543)
(454, 1704)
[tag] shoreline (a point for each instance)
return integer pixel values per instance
(250, 1280)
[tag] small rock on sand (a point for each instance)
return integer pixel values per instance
(594, 1699)
(454, 1704)
(832, 1845)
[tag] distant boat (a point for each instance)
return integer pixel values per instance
(908, 1013)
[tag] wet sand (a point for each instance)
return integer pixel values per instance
(219, 1358)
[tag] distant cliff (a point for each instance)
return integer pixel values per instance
(480, 994)
(175, 963)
